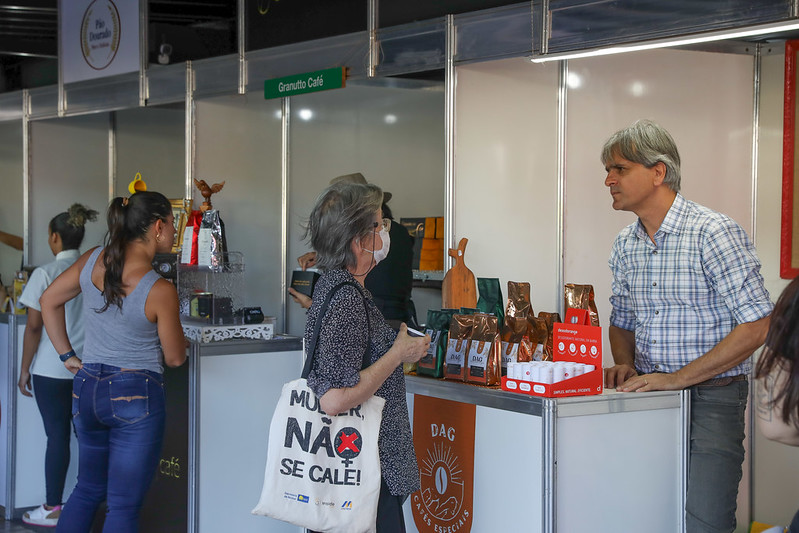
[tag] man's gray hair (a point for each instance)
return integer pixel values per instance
(343, 212)
(646, 143)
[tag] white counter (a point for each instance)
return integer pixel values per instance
(22, 437)
(611, 462)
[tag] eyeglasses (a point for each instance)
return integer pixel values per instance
(384, 225)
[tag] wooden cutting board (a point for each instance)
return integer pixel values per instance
(458, 289)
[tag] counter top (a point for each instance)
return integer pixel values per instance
(279, 343)
(609, 401)
(5, 318)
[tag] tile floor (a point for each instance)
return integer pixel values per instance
(17, 526)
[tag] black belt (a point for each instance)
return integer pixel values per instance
(721, 382)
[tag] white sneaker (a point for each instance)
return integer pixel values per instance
(42, 517)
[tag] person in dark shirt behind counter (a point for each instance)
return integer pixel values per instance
(390, 282)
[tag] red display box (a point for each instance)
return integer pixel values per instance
(576, 341)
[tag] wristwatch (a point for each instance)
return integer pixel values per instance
(65, 356)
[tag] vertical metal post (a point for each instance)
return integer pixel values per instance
(27, 157)
(112, 155)
(11, 422)
(685, 438)
(194, 439)
(449, 143)
(143, 46)
(190, 131)
(546, 26)
(561, 201)
(756, 75)
(549, 464)
(285, 161)
(374, 50)
(62, 101)
(242, 29)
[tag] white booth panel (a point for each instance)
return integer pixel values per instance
(69, 164)
(775, 482)
(151, 141)
(239, 142)
(31, 442)
(394, 136)
(507, 470)
(506, 171)
(599, 447)
(11, 180)
(238, 394)
(704, 100)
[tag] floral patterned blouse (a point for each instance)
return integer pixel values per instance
(339, 353)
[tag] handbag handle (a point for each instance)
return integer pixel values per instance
(318, 327)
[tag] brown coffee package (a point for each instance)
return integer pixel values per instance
(515, 344)
(460, 332)
(537, 334)
(484, 367)
(581, 297)
(519, 299)
(549, 319)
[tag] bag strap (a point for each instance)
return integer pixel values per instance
(318, 327)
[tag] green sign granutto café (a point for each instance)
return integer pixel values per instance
(309, 82)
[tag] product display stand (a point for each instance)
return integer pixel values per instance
(205, 333)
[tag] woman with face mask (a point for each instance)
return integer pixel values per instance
(350, 236)
(391, 281)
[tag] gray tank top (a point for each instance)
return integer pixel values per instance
(122, 337)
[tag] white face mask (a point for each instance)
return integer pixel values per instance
(382, 253)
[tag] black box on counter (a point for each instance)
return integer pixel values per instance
(303, 281)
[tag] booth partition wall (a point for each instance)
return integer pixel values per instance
(451, 116)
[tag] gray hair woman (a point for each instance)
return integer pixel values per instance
(350, 236)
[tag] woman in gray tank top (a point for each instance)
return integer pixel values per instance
(132, 327)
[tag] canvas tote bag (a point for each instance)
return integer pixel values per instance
(322, 472)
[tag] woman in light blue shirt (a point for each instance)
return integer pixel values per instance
(40, 367)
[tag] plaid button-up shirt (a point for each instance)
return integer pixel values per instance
(685, 292)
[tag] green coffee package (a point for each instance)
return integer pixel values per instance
(490, 298)
(437, 326)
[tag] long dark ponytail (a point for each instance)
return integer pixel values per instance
(128, 220)
(781, 351)
(70, 225)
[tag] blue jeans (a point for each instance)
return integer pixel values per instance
(119, 418)
(54, 399)
(717, 455)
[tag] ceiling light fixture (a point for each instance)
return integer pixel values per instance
(671, 42)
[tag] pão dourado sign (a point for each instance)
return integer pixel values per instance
(309, 82)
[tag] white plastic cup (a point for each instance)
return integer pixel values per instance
(547, 373)
(535, 374)
(558, 373)
(569, 369)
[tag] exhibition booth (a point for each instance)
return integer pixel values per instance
(455, 120)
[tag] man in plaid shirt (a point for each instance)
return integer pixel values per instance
(689, 309)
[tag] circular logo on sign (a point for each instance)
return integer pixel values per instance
(99, 34)
(348, 443)
(442, 483)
